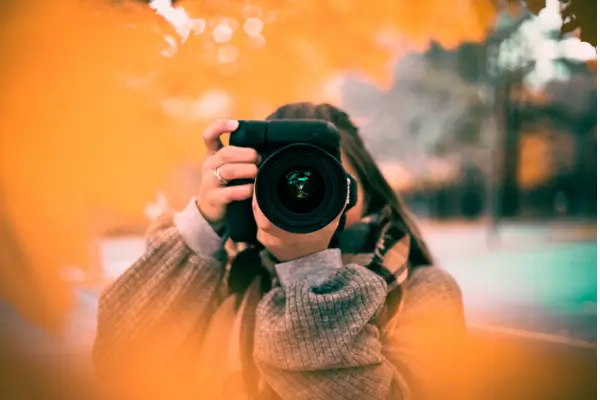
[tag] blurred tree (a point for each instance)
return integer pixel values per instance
(523, 76)
(428, 111)
(423, 106)
(472, 61)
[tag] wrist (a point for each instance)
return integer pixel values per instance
(196, 231)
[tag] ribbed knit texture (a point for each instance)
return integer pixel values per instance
(313, 341)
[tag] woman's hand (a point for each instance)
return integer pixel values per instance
(241, 163)
(286, 246)
(232, 163)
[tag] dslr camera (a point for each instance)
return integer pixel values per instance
(301, 185)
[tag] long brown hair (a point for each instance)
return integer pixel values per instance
(377, 190)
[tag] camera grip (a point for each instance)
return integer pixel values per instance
(240, 219)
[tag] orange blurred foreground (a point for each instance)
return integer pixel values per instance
(495, 367)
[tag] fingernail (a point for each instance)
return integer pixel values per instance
(232, 125)
(258, 159)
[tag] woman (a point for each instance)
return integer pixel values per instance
(370, 319)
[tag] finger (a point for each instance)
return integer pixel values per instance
(232, 155)
(226, 195)
(212, 134)
(238, 171)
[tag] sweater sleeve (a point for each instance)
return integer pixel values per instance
(153, 317)
(315, 338)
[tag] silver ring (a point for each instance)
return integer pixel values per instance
(217, 172)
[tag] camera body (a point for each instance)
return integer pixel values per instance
(301, 185)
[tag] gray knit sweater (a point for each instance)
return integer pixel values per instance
(315, 335)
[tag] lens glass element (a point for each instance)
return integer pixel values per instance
(301, 190)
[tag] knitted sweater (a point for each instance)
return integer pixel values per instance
(315, 337)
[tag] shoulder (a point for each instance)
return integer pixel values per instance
(431, 284)
(163, 222)
(432, 277)
(426, 338)
(430, 304)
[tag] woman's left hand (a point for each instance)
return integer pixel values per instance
(286, 246)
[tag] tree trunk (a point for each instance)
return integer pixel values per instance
(508, 149)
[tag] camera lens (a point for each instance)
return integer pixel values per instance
(301, 190)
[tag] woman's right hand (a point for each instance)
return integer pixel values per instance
(233, 163)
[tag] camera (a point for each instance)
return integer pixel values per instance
(301, 185)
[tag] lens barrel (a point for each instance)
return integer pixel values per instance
(301, 188)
